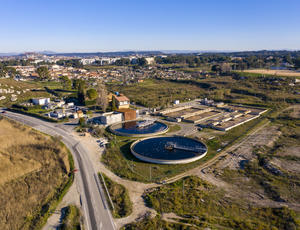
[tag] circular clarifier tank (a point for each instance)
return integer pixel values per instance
(139, 128)
(168, 150)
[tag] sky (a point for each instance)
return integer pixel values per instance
(119, 25)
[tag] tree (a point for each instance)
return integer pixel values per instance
(113, 104)
(216, 68)
(81, 90)
(142, 61)
(102, 96)
(75, 84)
(2, 70)
(122, 61)
(43, 72)
(81, 122)
(297, 63)
(11, 71)
(92, 94)
(66, 82)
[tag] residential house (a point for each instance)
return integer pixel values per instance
(122, 102)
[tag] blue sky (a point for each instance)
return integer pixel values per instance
(96, 25)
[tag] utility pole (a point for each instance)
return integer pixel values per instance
(150, 172)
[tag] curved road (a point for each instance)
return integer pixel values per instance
(92, 196)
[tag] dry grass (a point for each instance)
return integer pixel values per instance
(288, 73)
(32, 167)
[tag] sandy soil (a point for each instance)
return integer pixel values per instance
(234, 159)
(290, 151)
(287, 165)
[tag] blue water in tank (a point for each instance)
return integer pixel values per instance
(131, 127)
(156, 148)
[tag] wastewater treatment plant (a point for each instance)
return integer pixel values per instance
(159, 149)
(168, 150)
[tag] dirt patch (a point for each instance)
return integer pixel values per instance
(290, 151)
(295, 113)
(244, 152)
(287, 165)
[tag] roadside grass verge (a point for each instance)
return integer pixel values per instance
(72, 219)
(119, 196)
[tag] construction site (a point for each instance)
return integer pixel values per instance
(208, 114)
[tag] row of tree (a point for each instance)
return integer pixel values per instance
(126, 61)
(70, 63)
(240, 63)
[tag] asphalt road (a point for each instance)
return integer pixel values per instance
(93, 200)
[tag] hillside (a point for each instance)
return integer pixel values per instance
(33, 172)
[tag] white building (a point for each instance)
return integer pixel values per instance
(150, 60)
(110, 118)
(40, 101)
(87, 61)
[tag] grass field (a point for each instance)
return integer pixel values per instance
(34, 174)
(156, 93)
(198, 205)
(250, 90)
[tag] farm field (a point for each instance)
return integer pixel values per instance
(34, 173)
(287, 73)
